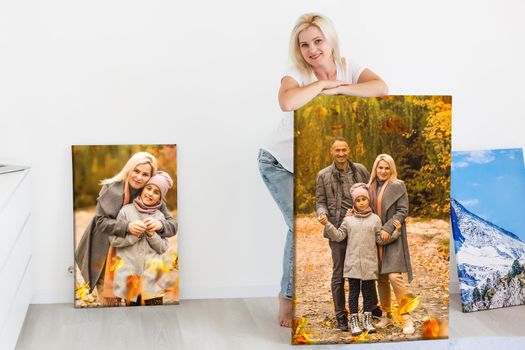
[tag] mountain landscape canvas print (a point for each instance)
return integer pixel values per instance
(487, 197)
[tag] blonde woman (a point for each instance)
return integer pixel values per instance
(317, 68)
(389, 200)
(92, 251)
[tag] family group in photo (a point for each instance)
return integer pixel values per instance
(364, 219)
(122, 247)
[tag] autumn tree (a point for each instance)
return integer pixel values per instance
(414, 130)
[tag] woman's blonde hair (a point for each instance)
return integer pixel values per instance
(326, 27)
(390, 161)
(136, 159)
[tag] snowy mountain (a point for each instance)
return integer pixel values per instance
(485, 254)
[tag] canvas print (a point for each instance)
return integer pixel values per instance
(372, 229)
(125, 220)
(487, 202)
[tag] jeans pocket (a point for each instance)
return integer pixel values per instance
(267, 158)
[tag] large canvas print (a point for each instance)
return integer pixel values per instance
(487, 200)
(371, 208)
(125, 215)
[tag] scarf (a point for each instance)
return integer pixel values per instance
(375, 191)
(143, 208)
(362, 214)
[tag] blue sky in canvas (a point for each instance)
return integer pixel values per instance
(491, 184)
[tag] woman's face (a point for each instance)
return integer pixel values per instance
(361, 203)
(150, 195)
(383, 170)
(316, 50)
(138, 177)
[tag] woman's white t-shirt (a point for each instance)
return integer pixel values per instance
(280, 144)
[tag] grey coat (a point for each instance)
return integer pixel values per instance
(361, 253)
(139, 256)
(329, 191)
(396, 256)
(92, 249)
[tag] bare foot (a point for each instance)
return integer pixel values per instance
(285, 312)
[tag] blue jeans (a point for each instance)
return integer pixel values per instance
(280, 184)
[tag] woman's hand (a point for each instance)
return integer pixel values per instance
(152, 225)
(385, 236)
(136, 227)
(292, 96)
(349, 212)
(396, 224)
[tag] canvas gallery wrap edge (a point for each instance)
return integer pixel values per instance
(487, 197)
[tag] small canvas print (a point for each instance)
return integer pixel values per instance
(372, 229)
(125, 222)
(487, 202)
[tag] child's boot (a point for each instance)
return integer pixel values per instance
(367, 322)
(354, 325)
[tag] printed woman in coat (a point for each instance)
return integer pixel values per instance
(93, 249)
(389, 200)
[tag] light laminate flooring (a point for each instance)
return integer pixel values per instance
(232, 324)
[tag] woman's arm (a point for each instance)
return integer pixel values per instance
(292, 96)
(393, 237)
(157, 243)
(369, 84)
(109, 203)
(169, 225)
(401, 211)
(121, 242)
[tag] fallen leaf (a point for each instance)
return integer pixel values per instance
(132, 287)
(175, 261)
(116, 263)
(407, 304)
(300, 334)
(82, 291)
(361, 338)
(430, 328)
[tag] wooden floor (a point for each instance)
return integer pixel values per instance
(232, 324)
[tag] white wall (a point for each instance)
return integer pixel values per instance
(207, 74)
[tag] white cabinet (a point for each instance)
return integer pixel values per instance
(15, 254)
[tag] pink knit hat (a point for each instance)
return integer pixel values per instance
(162, 180)
(359, 189)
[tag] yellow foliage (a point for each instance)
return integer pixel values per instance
(82, 291)
(116, 263)
(300, 334)
(361, 338)
(175, 261)
(408, 303)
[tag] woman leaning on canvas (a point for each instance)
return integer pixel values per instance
(317, 69)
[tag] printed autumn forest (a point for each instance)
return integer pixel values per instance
(91, 164)
(414, 130)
